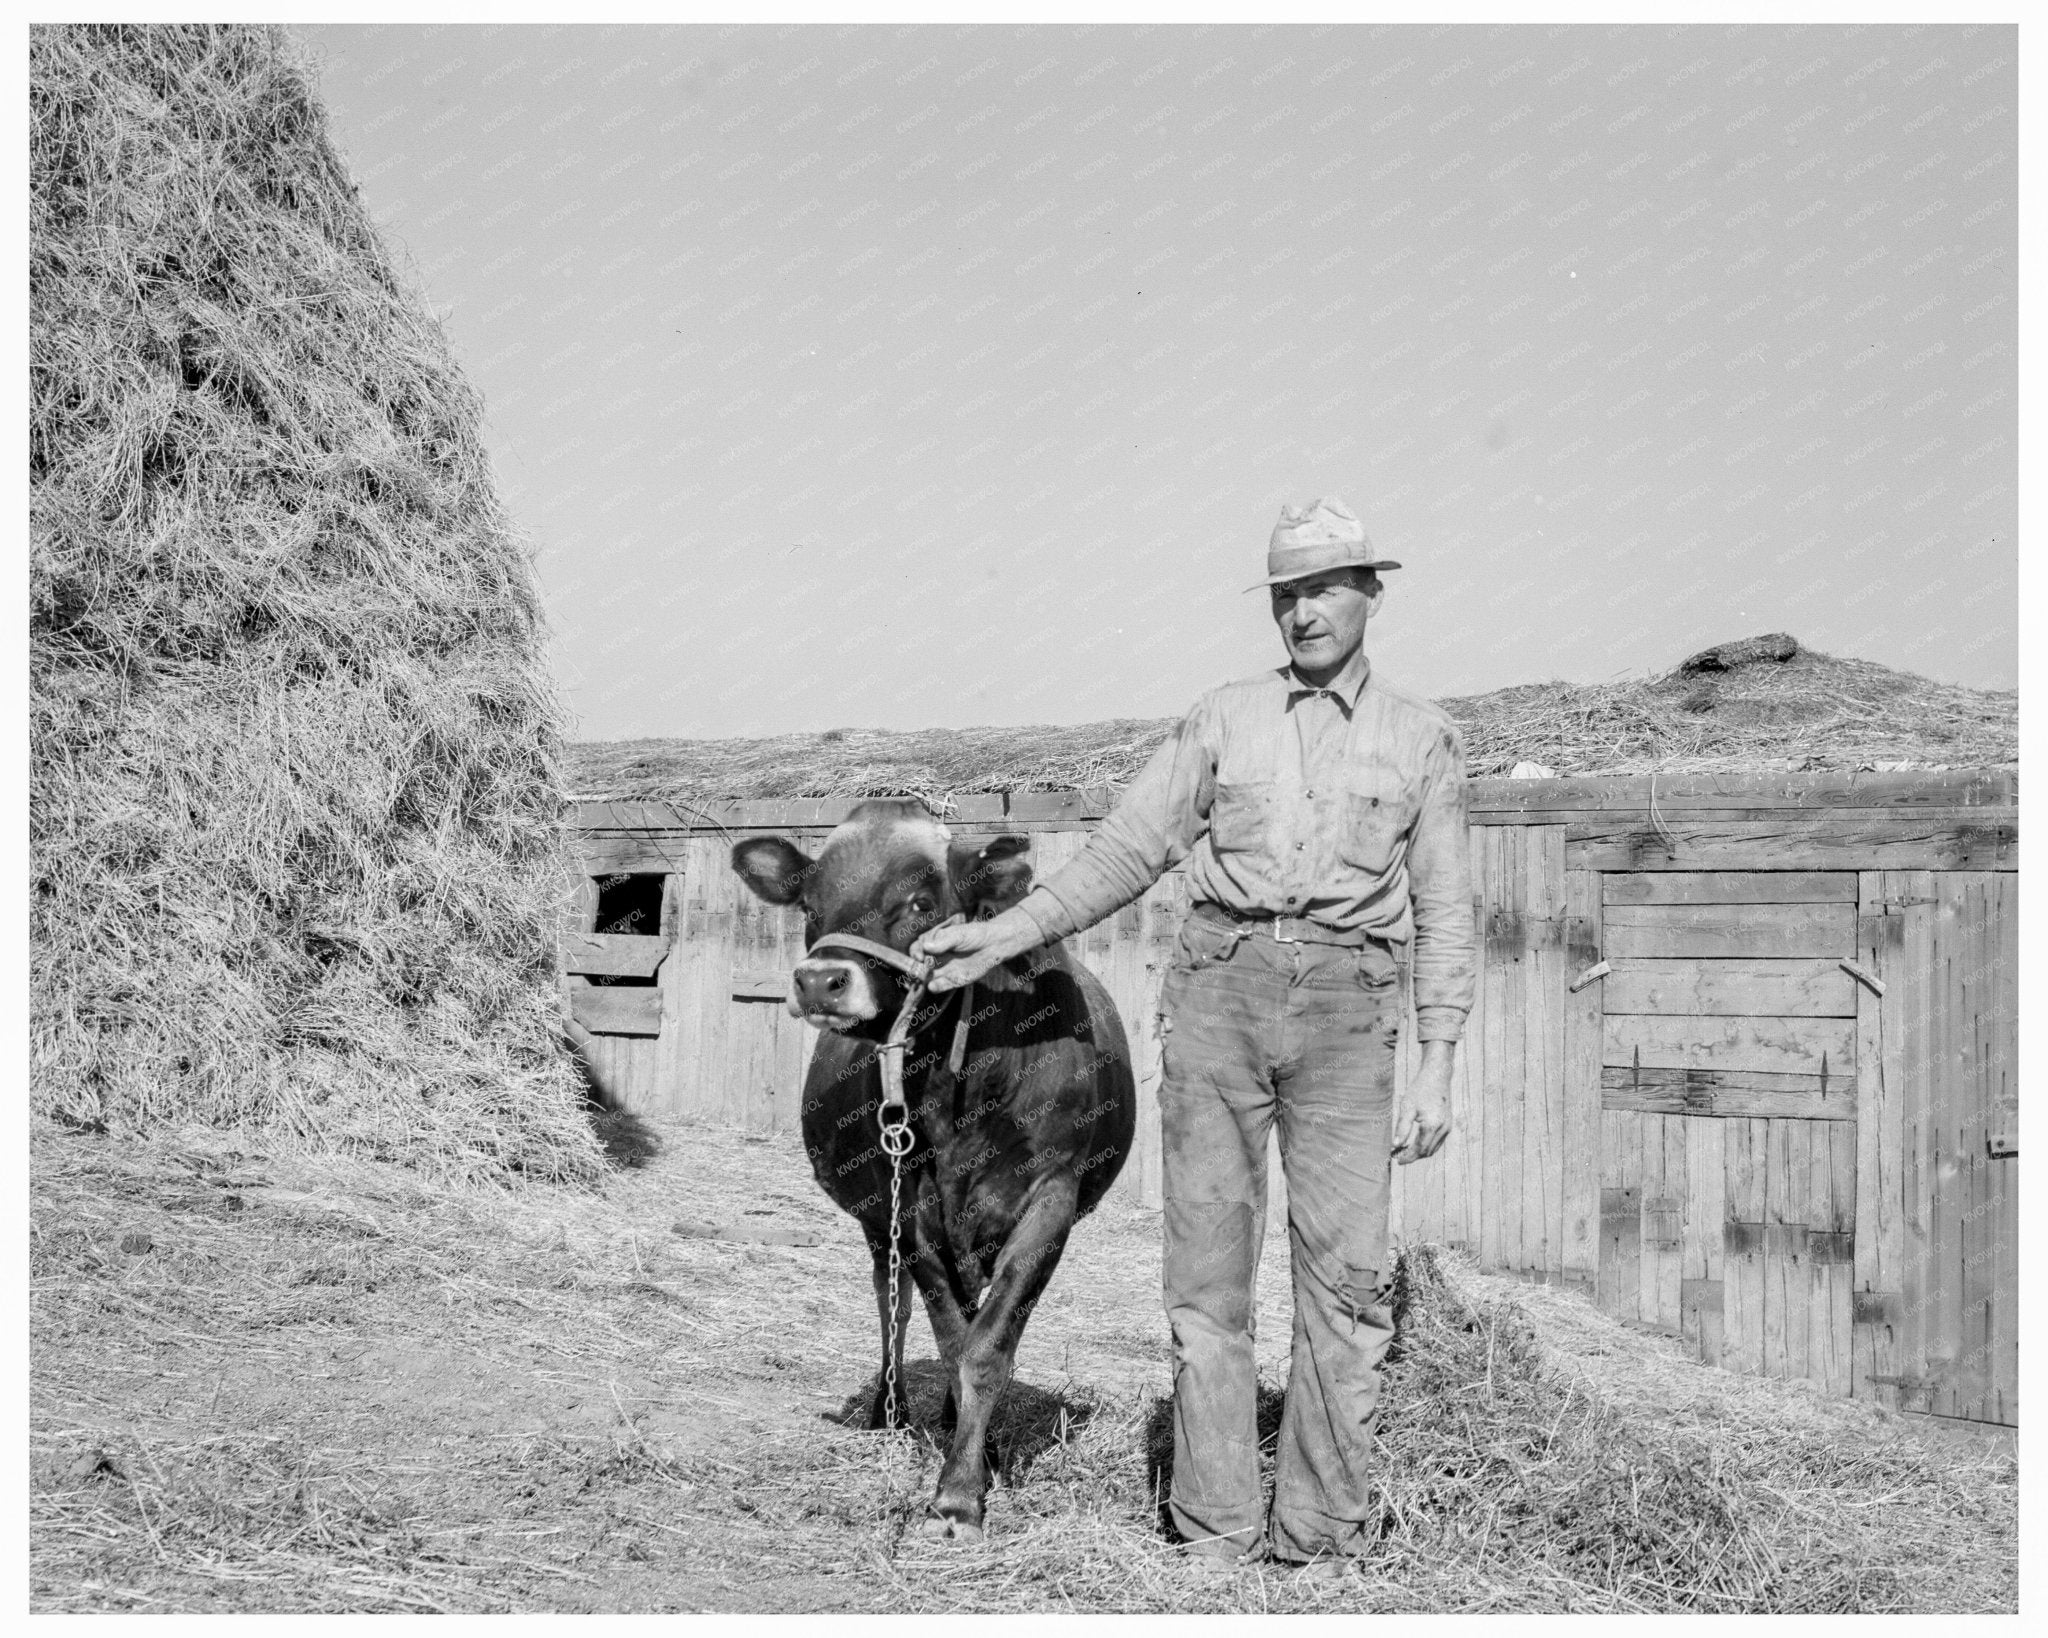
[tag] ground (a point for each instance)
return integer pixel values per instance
(275, 1383)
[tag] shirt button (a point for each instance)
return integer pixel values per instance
(1291, 899)
(1298, 846)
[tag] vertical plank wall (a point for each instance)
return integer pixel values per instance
(1935, 1315)
(1867, 1242)
(1728, 1080)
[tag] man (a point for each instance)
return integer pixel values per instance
(1323, 817)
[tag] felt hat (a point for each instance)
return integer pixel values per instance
(1324, 534)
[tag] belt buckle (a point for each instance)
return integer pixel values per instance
(1280, 937)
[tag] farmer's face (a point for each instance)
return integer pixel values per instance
(1322, 616)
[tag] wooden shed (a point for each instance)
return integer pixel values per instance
(1743, 1065)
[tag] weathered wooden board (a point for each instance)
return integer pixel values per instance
(1969, 1344)
(1875, 1301)
(1506, 952)
(609, 853)
(1784, 1230)
(1543, 1135)
(1779, 1046)
(1543, 799)
(1701, 1293)
(1987, 839)
(1062, 806)
(1829, 1270)
(1580, 1147)
(1621, 1215)
(1663, 1231)
(1498, 1230)
(1746, 1150)
(617, 1011)
(629, 955)
(1729, 887)
(1798, 987)
(1539, 799)
(1727, 930)
(1996, 1013)
(1728, 1094)
(776, 813)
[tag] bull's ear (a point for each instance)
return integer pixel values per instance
(773, 867)
(989, 874)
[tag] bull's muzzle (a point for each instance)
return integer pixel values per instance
(832, 994)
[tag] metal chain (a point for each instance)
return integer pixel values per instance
(896, 1142)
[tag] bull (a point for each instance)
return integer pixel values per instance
(1021, 1103)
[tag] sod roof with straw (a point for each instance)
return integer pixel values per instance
(1755, 705)
(294, 800)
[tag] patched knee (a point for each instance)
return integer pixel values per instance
(1367, 1297)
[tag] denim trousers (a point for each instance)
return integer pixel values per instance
(1255, 1031)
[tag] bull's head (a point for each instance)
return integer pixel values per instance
(886, 874)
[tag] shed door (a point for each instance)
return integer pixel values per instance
(1728, 1095)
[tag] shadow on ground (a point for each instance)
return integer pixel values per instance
(629, 1142)
(1028, 1421)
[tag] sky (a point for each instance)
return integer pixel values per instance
(940, 376)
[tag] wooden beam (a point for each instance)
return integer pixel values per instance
(1987, 840)
(1781, 930)
(1729, 887)
(1802, 987)
(1727, 1094)
(624, 955)
(773, 813)
(1069, 805)
(759, 985)
(1777, 1046)
(627, 853)
(1692, 793)
(617, 1010)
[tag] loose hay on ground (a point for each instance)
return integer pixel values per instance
(360, 1391)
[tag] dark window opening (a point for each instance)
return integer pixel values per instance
(628, 904)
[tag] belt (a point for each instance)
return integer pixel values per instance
(1283, 929)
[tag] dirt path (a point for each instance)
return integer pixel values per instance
(261, 1383)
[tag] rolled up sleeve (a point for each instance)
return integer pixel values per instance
(1163, 813)
(1445, 959)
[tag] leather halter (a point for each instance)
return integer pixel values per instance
(919, 971)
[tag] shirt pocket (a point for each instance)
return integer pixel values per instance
(1379, 807)
(1240, 817)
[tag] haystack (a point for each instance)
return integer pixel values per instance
(295, 801)
(1762, 704)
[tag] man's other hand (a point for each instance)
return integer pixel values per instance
(1425, 1118)
(969, 949)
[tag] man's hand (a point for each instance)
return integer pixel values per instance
(976, 947)
(1425, 1118)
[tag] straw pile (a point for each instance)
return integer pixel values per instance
(295, 800)
(1760, 705)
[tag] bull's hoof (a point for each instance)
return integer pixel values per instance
(937, 1527)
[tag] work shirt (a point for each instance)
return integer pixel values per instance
(1343, 804)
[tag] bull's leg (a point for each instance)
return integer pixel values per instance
(989, 1352)
(881, 1406)
(947, 1303)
